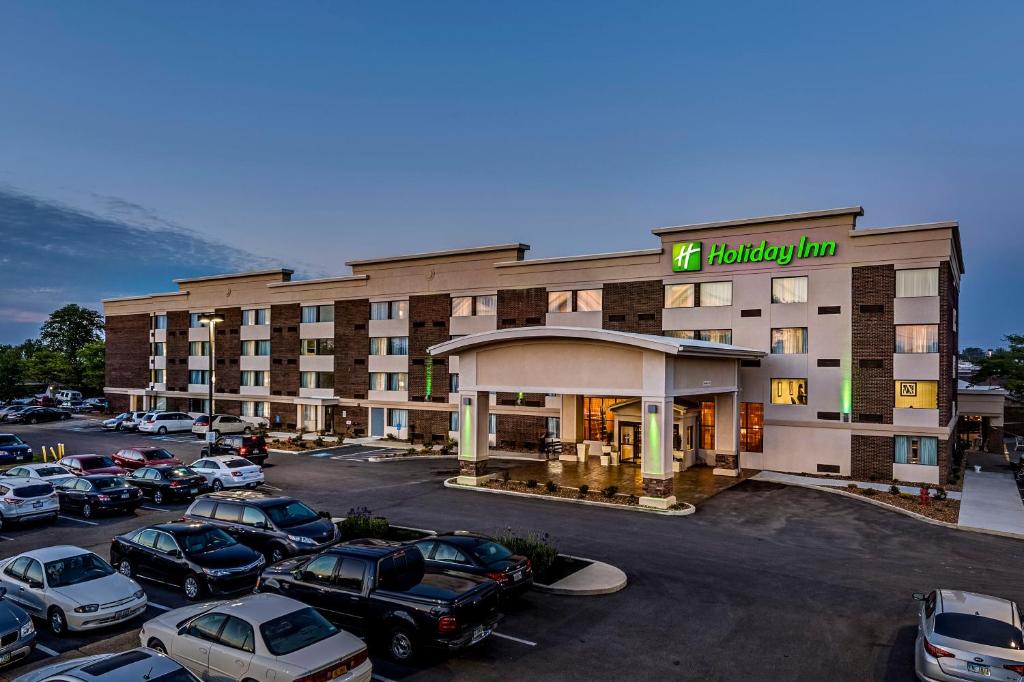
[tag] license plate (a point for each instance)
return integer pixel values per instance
(518, 575)
(193, 490)
(479, 634)
(123, 613)
(38, 504)
(5, 659)
(978, 669)
(124, 496)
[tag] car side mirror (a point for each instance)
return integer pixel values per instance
(3, 591)
(176, 553)
(35, 584)
(918, 596)
(325, 515)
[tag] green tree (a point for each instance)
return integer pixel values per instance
(12, 371)
(1005, 365)
(67, 331)
(93, 359)
(46, 366)
(972, 354)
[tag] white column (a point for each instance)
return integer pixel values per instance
(656, 416)
(474, 444)
(727, 434)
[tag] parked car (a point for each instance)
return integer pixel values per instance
(381, 589)
(165, 422)
(166, 482)
(36, 415)
(82, 465)
(78, 406)
(228, 471)
(140, 456)
(27, 499)
(253, 448)
(968, 636)
(133, 421)
(117, 422)
(479, 555)
(198, 557)
(128, 666)
(51, 473)
(101, 403)
(19, 631)
(67, 394)
(222, 423)
(279, 527)
(96, 493)
(14, 449)
(70, 588)
(10, 410)
(258, 637)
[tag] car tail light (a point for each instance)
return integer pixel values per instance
(243, 451)
(103, 498)
(336, 670)
(529, 565)
(13, 500)
(447, 624)
(936, 652)
(497, 576)
(1016, 667)
(236, 474)
(176, 484)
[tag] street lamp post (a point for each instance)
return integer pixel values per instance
(210, 320)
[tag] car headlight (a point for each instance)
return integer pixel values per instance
(88, 608)
(28, 628)
(215, 571)
(139, 594)
(302, 539)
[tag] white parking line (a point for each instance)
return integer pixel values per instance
(270, 487)
(514, 639)
(379, 678)
(143, 506)
(72, 518)
(46, 650)
(4, 537)
(160, 606)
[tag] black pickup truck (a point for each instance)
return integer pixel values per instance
(381, 590)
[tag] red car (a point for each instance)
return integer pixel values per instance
(85, 465)
(143, 456)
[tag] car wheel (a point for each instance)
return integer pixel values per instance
(193, 589)
(125, 568)
(33, 420)
(65, 416)
(276, 554)
(162, 430)
(217, 485)
(247, 431)
(401, 644)
(87, 510)
(58, 622)
(157, 646)
(117, 428)
(158, 497)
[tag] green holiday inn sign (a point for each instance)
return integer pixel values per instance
(688, 256)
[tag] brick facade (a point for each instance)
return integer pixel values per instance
(948, 343)
(522, 307)
(177, 404)
(520, 432)
(176, 376)
(658, 487)
(284, 348)
(473, 468)
(633, 306)
(351, 350)
(282, 416)
(227, 352)
(119, 403)
(127, 351)
(727, 461)
(871, 456)
(428, 425)
(428, 325)
(228, 407)
(873, 339)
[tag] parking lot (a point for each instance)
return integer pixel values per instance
(764, 581)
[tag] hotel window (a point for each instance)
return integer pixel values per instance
(398, 419)
(716, 335)
(469, 306)
(158, 322)
(462, 306)
(492, 424)
(200, 405)
(707, 425)
(713, 294)
(789, 391)
(316, 379)
(398, 345)
(679, 295)
(317, 347)
(598, 419)
(916, 450)
(453, 421)
(922, 395)
(250, 348)
(917, 338)
(559, 301)
(388, 381)
(704, 294)
(918, 282)
(318, 313)
(160, 404)
(487, 304)
(389, 310)
(453, 383)
(255, 408)
(198, 376)
(789, 290)
(553, 427)
(159, 349)
(156, 376)
(256, 316)
(250, 377)
(751, 427)
(589, 300)
(789, 340)
(580, 301)
(193, 320)
(198, 348)
(378, 381)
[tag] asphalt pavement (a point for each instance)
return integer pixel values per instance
(763, 582)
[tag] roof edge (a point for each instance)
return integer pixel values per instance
(439, 254)
(585, 257)
(321, 280)
(235, 275)
(776, 218)
(142, 297)
(954, 225)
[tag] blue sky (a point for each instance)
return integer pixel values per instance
(145, 141)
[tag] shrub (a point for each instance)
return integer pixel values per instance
(894, 489)
(940, 493)
(907, 496)
(584, 489)
(448, 446)
(852, 486)
(532, 483)
(551, 486)
(319, 442)
(610, 491)
(360, 523)
(870, 492)
(873, 477)
(633, 499)
(538, 548)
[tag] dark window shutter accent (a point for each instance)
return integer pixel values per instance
(439, 399)
(416, 398)
(292, 361)
(220, 361)
(534, 320)
(293, 329)
(234, 332)
(751, 312)
(277, 361)
(616, 318)
(221, 332)
(277, 330)
(359, 396)
(830, 309)
(645, 316)
(828, 468)
(234, 361)
(359, 361)
(508, 321)
(872, 308)
(440, 324)
(359, 327)
(869, 418)
(275, 392)
(417, 361)
(419, 324)
(872, 363)
(534, 403)
(828, 362)
(291, 393)
(830, 416)
(750, 363)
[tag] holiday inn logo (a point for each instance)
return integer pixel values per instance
(686, 256)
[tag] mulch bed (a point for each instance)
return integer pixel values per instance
(940, 510)
(307, 446)
(563, 567)
(566, 492)
(837, 477)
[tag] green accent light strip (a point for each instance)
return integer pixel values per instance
(465, 439)
(654, 441)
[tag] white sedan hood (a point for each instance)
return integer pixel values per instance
(99, 591)
(321, 654)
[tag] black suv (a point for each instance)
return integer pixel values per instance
(253, 448)
(279, 527)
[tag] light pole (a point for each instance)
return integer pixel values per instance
(210, 321)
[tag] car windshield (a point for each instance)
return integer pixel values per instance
(488, 552)
(159, 453)
(96, 462)
(123, 415)
(290, 514)
(34, 490)
(237, 463)
(52, 471)
(9, 439)
(979, 629)
(179, 472)
(206, 540)
(107, 483)
(76, 569)
(295, 631)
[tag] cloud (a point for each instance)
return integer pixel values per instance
(26, 316)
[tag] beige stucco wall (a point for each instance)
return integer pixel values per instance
(540, 366)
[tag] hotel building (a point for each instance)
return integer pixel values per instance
(794, 342)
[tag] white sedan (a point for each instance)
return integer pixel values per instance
(51, 473)
(228, 471)
(70, 588)
(258, 637)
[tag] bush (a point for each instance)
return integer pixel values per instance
(907, 496)
(894, 489)
(610, 491)
(448, 446)
(584, 489)
(319, 442)
(940, 493)
(532, 483)
(873, 477)
(870, 492)
(538, 548)
(852, 486)
(360, 523)
(551, 486)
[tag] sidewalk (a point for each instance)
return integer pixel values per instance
(990, 502)
(797, 479)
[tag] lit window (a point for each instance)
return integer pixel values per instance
(315, 347)
(193, 320)
(198, 348)
(398, 345)
(789, 340)
(789, 391)
(378, 381)
(559, 301)
(588, 300)
(553, 428)
(255, 317)
(681, 333)
(397, 381)
(486, 304)
(317, 313)
(916, 450)
(398, 419)
(917, 282)
(462, 306)
(917, 394)
(316, 379)
(679, 295)
(789, 290)
(389, 310)
(751, 427)
(714, 294)
(253, 378)
(917, 338)
(716, 335)
(198, 376)
(159, 322)
(707, 425)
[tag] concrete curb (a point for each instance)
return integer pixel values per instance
(689, 508)
(315, 451)
(783, 477)
(399, 458)
(596, 579)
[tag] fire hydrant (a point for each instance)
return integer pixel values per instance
(924, 496)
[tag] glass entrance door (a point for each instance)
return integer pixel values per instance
(629, 442)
